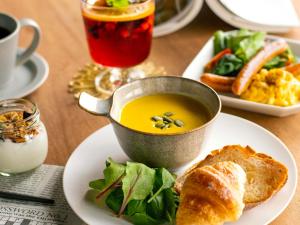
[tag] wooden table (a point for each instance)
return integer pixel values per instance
(64, 46)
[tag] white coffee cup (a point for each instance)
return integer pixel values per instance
(9, 58)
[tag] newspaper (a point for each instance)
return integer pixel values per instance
(45, 181)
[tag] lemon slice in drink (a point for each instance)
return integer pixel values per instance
(108, 14)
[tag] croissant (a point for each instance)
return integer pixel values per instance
(212, 195)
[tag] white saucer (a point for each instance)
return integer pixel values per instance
(88, 161)
(27, 78)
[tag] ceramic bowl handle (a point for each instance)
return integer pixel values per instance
(93, 105)
(23, 57)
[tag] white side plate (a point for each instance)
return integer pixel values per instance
(234, 20)
(88, 161)
(195, 69)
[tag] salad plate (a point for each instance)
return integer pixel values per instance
(196, 68)
(88, 161)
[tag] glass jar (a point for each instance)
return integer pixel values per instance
(23, 137)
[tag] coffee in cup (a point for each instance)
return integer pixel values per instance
(4, 32)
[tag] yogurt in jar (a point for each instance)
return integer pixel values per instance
(25, 156)
(23, 137)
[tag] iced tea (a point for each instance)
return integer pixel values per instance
(119, 37)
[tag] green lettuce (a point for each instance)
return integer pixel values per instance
(281, 60)
(229, 65)
(244, 43)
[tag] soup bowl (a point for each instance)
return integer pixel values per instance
(170, 150)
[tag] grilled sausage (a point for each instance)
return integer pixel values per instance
(217, 82)
(269, 51)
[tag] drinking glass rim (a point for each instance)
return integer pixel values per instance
(115, 8)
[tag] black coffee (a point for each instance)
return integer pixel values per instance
(4, 32)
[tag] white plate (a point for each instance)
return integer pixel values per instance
(88, 160)
(195, 69)
(226, 15)
(27, 78)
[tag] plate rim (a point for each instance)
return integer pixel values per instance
(291, 156)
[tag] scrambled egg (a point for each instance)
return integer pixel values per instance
(275, 87)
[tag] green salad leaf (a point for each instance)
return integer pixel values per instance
(171, 199)
(249, 46)
(113, 174)
(156, 208)
(219, 41)
(137, 184)
(244, 43)
(143, 219)
(114, 199)
(139, 212)
(163, 180)
(276, 62)
(97, 184)
(228, 65)
(223, 40)
(117, 3)
(142, 195)
(135, 206)
(281, 60)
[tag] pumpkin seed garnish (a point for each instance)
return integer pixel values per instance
(156, 118)
(178, 123)
(160, 125)
(164, 122)
(167, 119)
(166, 126)
(169, 125)
(168, 114)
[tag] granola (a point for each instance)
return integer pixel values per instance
(14, 126)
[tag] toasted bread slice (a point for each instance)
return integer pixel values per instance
(265, 176)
